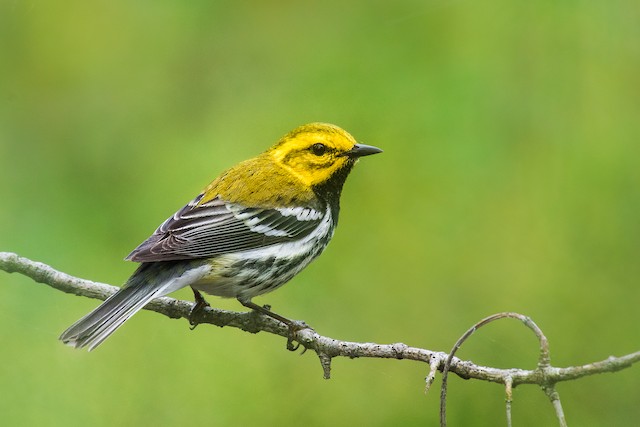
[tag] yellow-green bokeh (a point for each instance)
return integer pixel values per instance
(509, 182)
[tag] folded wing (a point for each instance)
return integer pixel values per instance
(218, 227)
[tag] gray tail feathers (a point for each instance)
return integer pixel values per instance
(151, 280)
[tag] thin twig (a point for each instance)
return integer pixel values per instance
(431, 376)
(508, 389)
(554, 397)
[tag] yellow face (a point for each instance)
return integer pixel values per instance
(291, 170)
(314, 152)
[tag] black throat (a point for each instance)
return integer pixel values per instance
(329, 191)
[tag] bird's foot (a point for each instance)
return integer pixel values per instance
(292, 325)
(293, 328)
(198, 308)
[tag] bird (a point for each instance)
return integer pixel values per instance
(250, 231)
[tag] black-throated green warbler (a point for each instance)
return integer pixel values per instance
(250, 231)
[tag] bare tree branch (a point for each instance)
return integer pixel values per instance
(545, 375)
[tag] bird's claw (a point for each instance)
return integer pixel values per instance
(197, 310)
(293, 328)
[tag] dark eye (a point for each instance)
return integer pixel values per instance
(318, 149)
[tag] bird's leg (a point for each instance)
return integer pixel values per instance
(292, 325)
(197, 309)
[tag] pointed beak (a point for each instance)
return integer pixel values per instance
(360, 150)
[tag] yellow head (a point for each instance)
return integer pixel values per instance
(311, 160)
(316, 152)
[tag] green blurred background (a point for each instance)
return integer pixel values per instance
(509, 182)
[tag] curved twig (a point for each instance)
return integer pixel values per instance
(547, 382)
